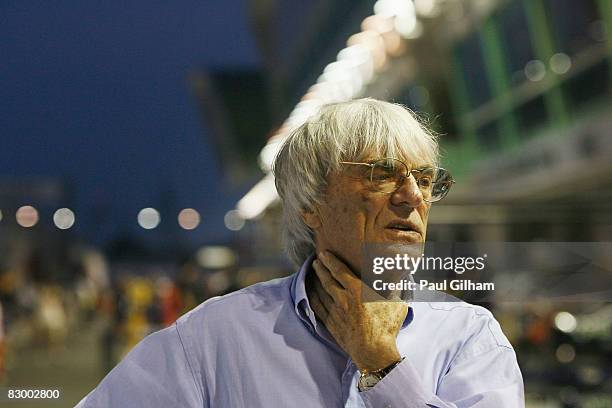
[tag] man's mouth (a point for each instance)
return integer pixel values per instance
(403, 226)
(404, 231)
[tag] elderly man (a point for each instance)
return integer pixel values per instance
(358, 172)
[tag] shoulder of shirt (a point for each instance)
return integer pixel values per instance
(221, 318)
(239, 303)
(478, 328)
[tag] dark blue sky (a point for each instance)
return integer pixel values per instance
(96, 94)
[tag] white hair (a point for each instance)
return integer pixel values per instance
(345, 131)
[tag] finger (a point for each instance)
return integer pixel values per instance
(318, 307)
(324, 297)
(331, 286)
(367, 294)
(338, 269)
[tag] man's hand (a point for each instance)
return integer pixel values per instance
(365, 330)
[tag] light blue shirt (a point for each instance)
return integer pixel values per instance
(262, 347)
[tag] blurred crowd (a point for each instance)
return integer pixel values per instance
(122, 301)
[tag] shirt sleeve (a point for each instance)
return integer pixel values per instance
(156, 373)
(484, 374)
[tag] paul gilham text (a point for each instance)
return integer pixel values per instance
(455, 284)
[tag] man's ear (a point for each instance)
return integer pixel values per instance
(311, 218)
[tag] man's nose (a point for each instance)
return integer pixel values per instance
(408, 193)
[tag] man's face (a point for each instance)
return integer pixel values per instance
(353, 214)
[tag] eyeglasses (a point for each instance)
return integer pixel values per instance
(387, 176)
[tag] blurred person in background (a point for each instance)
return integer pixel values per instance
(358, 172)
(171, 301)
(190, 286)
(51, 318)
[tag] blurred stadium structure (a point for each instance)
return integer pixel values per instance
(520, 92)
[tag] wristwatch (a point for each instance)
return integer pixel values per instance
(369, 379)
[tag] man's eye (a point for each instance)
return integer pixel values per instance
(380, 177)
(383, 173)
(425, 182)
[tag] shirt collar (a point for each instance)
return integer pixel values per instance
(298, 292)
(300, 299)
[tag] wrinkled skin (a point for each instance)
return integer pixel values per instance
(352, 215)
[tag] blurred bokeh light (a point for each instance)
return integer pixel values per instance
(26, 216)
(64, 218)
(189, 219)
(149, 218)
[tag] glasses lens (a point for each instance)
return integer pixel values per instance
(425, 178)
(442, 183)
(387, 174)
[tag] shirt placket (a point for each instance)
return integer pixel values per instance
(350, 394)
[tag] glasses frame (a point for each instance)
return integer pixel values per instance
(409, 172)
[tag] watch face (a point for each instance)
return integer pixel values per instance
(368, 381)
